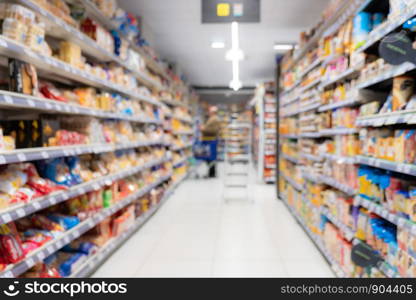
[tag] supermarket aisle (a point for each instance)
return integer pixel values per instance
(196, 234)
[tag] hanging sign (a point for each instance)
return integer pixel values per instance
(227, 11)
(364, 256)
(397, 48)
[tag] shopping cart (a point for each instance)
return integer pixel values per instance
(205, 154)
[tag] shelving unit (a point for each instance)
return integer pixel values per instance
(324, 155)
(264, 142)
(161, 121)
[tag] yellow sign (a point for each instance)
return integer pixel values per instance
(223, 10)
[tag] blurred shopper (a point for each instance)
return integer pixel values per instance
(210, 132)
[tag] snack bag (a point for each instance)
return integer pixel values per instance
(10, 244)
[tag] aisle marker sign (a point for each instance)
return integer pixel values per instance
(228, 11)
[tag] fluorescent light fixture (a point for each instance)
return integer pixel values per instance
(236, 85)
(283, 47)
(235, 55)
(218, 45)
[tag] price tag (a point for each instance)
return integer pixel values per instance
(65, 196)
(414, 229)
(36, 205)
(391, 218)
(384, 213)
(401, 222)
(96, 187)
(3, 43)
(53, 200)
(45, 154)
(81, 191)
(91, 223)
(50, 249)
(2, 160)
(76, 110)
(29, 53)
(48, 106)
(20, 212)
(59, 244)
(66, 68)
(7, 274)
(392, 120)
(6, 218)
(31, 103)
(67, 240)
(8, 99)
(41, 255)
(29, 262)
(21, 157)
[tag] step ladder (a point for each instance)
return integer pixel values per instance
(237, 163)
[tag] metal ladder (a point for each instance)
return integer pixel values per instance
(237, 167)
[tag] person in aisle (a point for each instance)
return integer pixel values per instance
(210, 132)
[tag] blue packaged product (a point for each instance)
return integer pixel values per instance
(86, 248)
(378, 19)
(67, 222)
(363, 25)
(71, 264)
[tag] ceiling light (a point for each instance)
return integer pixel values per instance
(218, 45)
(283, 47)
(236, 85)
(234, 54)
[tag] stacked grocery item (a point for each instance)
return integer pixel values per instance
(357, 164)
(82, 152)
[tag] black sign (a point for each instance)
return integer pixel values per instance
(227, 11)
(364, 256)
(397, 48)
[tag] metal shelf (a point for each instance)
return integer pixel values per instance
(339, 186)
(185, 120)
(16, 100)
(289, 136)
(312, 66)
(310, 85)
(182, 147)
(292, 182)
(180, 162)
(311, 157)
(399, 117)
(339, 159)
(178, 132)
(174, 103)
(391, 73)
(336, 105)
(32, 154)
(337, 131)
(310, 107)
(387, 165)
(340, 77)
(54, 66)
(349, 234)
(14, 270)
(20, 211)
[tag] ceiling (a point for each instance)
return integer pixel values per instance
(174, 27)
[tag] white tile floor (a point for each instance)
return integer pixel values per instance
(197, 234)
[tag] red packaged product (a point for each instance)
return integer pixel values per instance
(10, 244)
